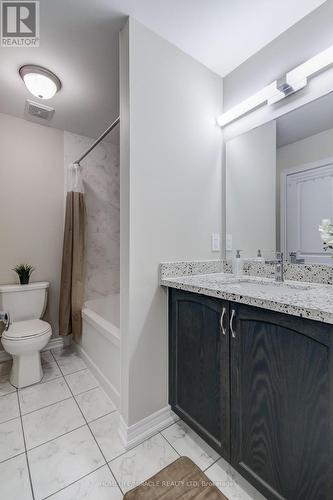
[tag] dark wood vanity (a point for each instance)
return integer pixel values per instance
(257, 386)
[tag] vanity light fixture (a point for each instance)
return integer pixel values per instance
(251, 103)
(301, 73)
(40, 82)
(292, 82)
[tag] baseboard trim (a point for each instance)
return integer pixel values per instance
(56, 343)
(109, 388)
(147, 427)
(52, 344)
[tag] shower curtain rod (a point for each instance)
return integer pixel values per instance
(100, 138)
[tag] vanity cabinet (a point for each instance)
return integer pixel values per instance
(258, 386)
(199, 366)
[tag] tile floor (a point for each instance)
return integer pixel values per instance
(59, 439)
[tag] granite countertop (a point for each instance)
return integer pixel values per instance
(307, 300)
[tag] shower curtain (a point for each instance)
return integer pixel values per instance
(73, 265)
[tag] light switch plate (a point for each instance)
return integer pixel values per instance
(216, 243)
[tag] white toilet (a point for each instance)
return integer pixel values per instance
(27, 335)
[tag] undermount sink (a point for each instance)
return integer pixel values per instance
(250, 285)
(283, 284)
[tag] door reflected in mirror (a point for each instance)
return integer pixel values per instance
(279, 186)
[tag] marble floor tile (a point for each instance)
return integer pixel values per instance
(94, 404)
(11, 439)
(105, 430)
(46, 357)
(5, 385)
(232, 484)
(68, 360)
(60, 462)
(50, 371)
(50, 422)
(186, 442)
(99, 485)
(5, 367)
(9, 407)
(40, 395)
(14, 479)
(142, 462)
(81, 381)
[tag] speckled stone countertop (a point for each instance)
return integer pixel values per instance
(307, 300)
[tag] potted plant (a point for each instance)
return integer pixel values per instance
(24, 272)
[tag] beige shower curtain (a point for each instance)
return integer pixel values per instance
(73, 263)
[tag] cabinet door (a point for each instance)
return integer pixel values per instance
(281, 404)
(199, 383)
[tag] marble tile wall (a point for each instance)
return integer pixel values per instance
(100, 171)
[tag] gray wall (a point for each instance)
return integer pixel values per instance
(170, 197)
(32, 203)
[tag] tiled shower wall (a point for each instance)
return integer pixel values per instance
(100, 171)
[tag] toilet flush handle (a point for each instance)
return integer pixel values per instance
(5, 318)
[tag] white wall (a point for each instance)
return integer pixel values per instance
(250, 190)
(305, 39)
(32, 203)
(311, 149)
(170, 197)
(310, 35)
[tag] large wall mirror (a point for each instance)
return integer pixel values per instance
(279, 185)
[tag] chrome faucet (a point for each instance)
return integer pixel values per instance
(5, 318)
(279, 268)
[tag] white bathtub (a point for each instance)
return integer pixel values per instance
(100, 343)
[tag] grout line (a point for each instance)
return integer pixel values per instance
(82, 392)
(71, 373)
(76, 371)
(25, 447)
(14, 456)
(102, 416)
(76, 481)
(170, 425)
(106, 462)
(56, 437)
(9, 420)
(50, 379)
(114, 477)
(203, 470)
(46, 406)
(7, 393)
(170, 444)
(92, 389)
(209, 466)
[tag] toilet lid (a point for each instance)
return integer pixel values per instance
(25, 329)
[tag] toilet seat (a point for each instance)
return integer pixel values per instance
(24, 330)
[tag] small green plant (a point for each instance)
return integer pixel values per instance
(24, 272)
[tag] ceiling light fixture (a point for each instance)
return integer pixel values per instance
(40, 81)
(292, 82)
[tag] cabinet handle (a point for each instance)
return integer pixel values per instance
(222, 321)
(233, 333)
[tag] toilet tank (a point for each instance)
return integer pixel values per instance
(24, 301)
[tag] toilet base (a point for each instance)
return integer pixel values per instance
(26, 370)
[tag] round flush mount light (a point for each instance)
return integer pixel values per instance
(40, 81)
